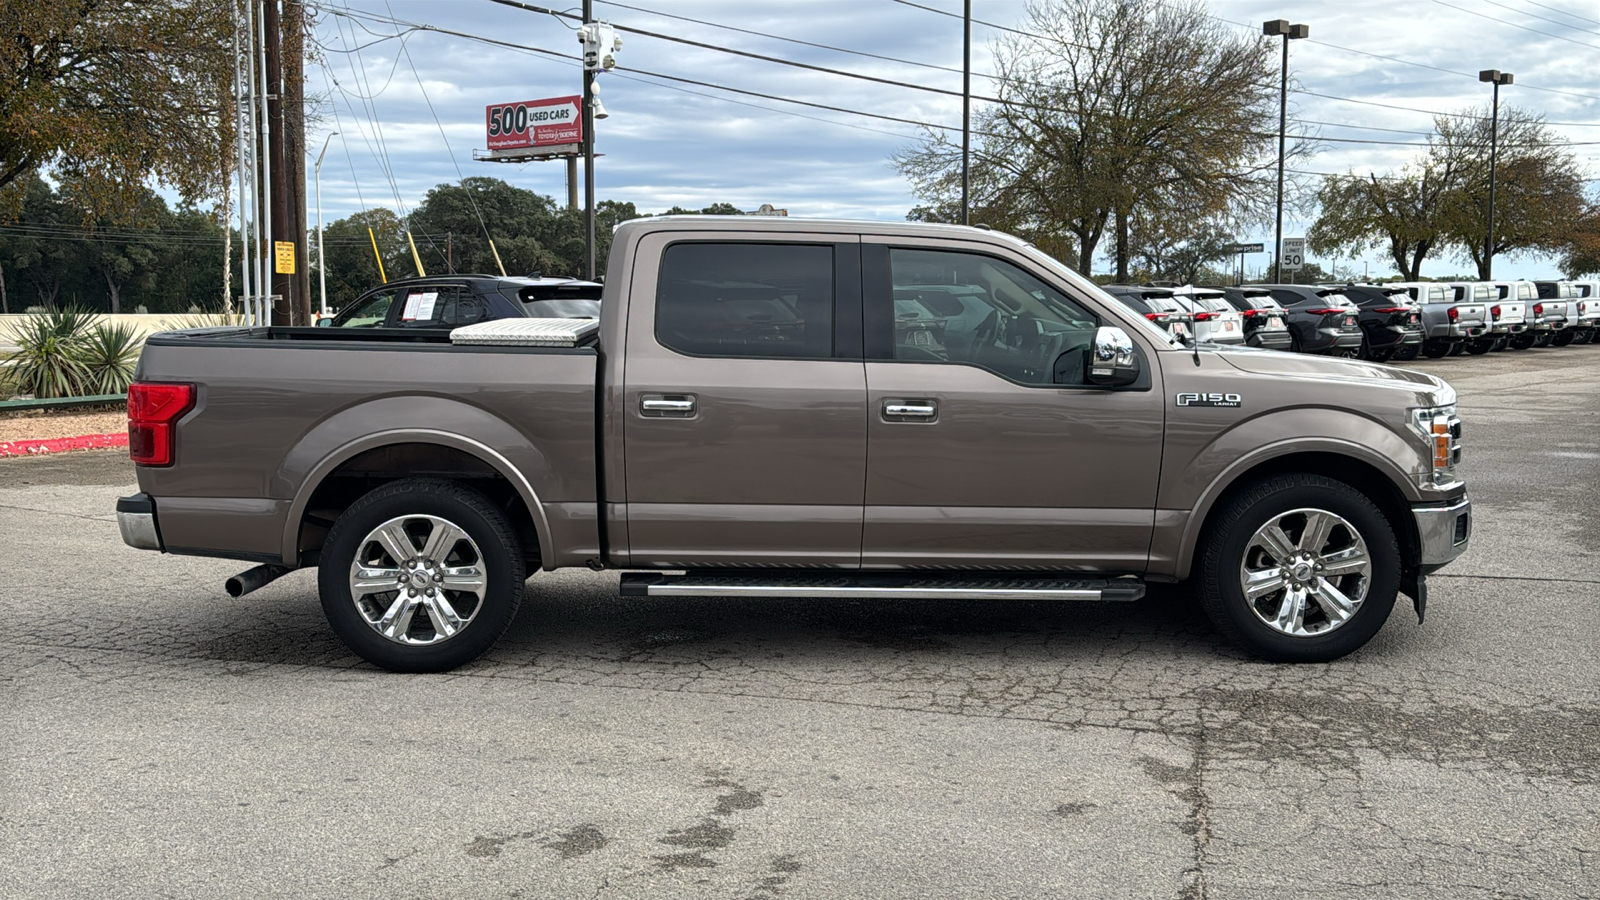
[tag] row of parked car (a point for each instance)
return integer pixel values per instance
(1379, 322)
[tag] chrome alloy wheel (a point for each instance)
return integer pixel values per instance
(418, 580)
(1305, 572)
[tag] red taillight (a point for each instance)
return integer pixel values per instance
(1538, 309)
(1205, 316)
(1583, 307)
(1394, 309)
(1326, 312)
(1156, 317)
(1495, 311)
(152, 410)
(1453, 313)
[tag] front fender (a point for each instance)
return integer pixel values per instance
(450, 423)
(1194, 479)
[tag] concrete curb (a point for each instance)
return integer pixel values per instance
(61, 445)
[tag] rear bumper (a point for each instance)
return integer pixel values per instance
(1443, 532)
(136, 519)
(1270, 340)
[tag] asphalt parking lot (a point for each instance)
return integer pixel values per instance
(160, 739)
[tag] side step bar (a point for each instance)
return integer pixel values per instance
(867, 585)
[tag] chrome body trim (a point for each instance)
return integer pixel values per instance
(1436, 532)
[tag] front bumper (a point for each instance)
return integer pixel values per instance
(1442, 532)
(136, 519)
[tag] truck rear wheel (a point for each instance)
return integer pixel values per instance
(1299, 568)
(421, 575)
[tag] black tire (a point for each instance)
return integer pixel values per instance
(1435, 348)
(1500, 343)
(1480, 346)
(492, 538)
(1223, 550)
(1542, 339)
(1521, 341)
(1406, 352)
(1457, 348)
(1584, 336)
(1563, 338)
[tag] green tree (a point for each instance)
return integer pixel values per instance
(1581, 254)
(1538, 183)
(352, 269)
(1400, 213)
(1108, 109)
(115, 95)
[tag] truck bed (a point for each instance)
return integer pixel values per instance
(279, 409)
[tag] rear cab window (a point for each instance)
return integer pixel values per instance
(744, 299)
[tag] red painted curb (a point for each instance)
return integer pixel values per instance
(58, 445)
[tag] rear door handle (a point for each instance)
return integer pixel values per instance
(910, 410)
(668, 406)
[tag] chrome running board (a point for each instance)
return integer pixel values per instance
(867, 586)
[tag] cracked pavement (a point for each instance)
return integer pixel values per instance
(162, 739)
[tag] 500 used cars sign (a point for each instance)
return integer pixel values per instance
(534, 123)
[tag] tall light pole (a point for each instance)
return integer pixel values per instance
(1289, 32)
(1496, 78)
(322, 261)
(966, 110)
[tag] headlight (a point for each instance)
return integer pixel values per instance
(1440, 428)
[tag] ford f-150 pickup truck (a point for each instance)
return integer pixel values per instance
(782, 408)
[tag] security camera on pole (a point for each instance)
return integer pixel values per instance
(600, 45)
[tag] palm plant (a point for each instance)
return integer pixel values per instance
(108, 354)
(46, 362)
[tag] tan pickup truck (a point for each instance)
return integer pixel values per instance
(781, 407)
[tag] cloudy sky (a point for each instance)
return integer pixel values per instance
(1373, 71)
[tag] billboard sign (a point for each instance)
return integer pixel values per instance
(534, 123)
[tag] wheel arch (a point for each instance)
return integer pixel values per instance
(425, 451)
(1351, 464)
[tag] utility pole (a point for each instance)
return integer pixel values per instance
(1289, 32)
(294, 156)
(278, 199)
(1496, 78)
(588, 153)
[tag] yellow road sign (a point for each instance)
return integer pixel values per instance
(283, 257)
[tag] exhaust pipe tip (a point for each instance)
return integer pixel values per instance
(253, 579)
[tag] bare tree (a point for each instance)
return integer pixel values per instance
(1105, 109)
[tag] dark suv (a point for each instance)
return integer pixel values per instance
(1321, 320)
(447, 301)
(1391, 322)
(1265, 323)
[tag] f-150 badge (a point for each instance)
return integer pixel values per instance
(1192, 399)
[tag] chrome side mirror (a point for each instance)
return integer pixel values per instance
(1111, 361)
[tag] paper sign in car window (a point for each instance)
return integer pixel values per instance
(419, 306)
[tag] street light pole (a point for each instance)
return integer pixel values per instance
(1289, 32)
(322, 261)
(1496, 78)
(966, 110)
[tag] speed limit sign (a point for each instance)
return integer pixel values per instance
(1294, 254)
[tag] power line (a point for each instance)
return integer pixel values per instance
(1515, 25)
(1563, 12)
(1540, 18)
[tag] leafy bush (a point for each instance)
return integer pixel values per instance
(71, 352)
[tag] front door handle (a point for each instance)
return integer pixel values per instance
(910, 410)
(671, 406)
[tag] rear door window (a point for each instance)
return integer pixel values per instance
(746, 300)
(437, 306)
(368, 312)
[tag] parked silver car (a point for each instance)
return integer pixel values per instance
(1588, 311)
(1215, 319)
(1560, 298)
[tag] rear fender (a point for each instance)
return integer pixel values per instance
(451, 423)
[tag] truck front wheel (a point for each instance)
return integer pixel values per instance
(421, 575)
(1299, 568)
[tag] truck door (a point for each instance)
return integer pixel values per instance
(744, 395)
(975, 458)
